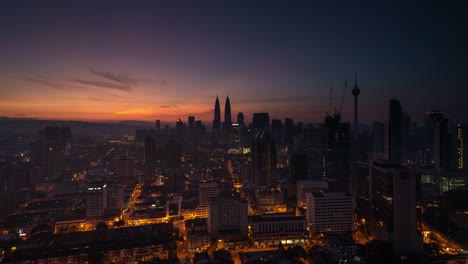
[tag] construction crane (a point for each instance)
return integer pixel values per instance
(342, 98)
(330, 100)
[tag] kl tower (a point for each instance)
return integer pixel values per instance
(356, 93)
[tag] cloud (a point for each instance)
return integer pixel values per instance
(45, 82)
(169, 106)
(115, 77)
(116, 95)
(137, 111)
(103, 84)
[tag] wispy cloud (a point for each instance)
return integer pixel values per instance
(44, 81)
(115, 77)
(103, 84)
(137, 111)
(169, 106)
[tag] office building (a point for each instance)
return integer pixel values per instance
(394, 214)
(309, 186)
(261, 121)
(96, 201)
(7, 186)
(125, 169)
(336, 147)
(393, 133)
(150, 151)
(115, 196)
(207, 190)
(278, 228)
(299, 166)
(330, 212)
(227, 218)
(462, 147)
(264, 160)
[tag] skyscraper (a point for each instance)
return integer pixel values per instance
(96, 201)
(261, 121)
(336, 147)
(264, 160)
(462, 148)
(356, 91)
(217, 118)
(393, 140)
(240, 119)
(394, 213)
(227, 113)
(7, 186)
(150, 149)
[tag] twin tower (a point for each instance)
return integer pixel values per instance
(217, 116)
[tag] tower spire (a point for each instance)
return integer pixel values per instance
(356, 91)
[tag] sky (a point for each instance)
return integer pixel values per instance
(147, 60)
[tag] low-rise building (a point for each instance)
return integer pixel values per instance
(278, 227)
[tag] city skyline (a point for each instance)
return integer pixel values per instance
(150, 61)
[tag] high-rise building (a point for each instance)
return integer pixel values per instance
(96, 201)
(393, 140)
(356, 91)
(227, 114)
(240, 119)
(125, 169)
(406, 139)
(199, 132)
(462, 147)
(299, 166)
(442, 154)
(227, 218)
(264, 160)
(394, 214)
(191, 134)
(309, 186)
(336, 146)
(217, 118)
(150, 151)
(330, 212)
(314, 145)
(379, 139)
(289, 132)
(207, 190)
(115, 196)
(261, 121)
(7, 186)
(158, 126)
(180, 130)
(277, 130)
(174, 177)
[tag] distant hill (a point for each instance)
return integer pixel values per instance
(31, 127)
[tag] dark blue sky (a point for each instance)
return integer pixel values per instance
(164, 59)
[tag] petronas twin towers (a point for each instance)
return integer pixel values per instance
(217, 116)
